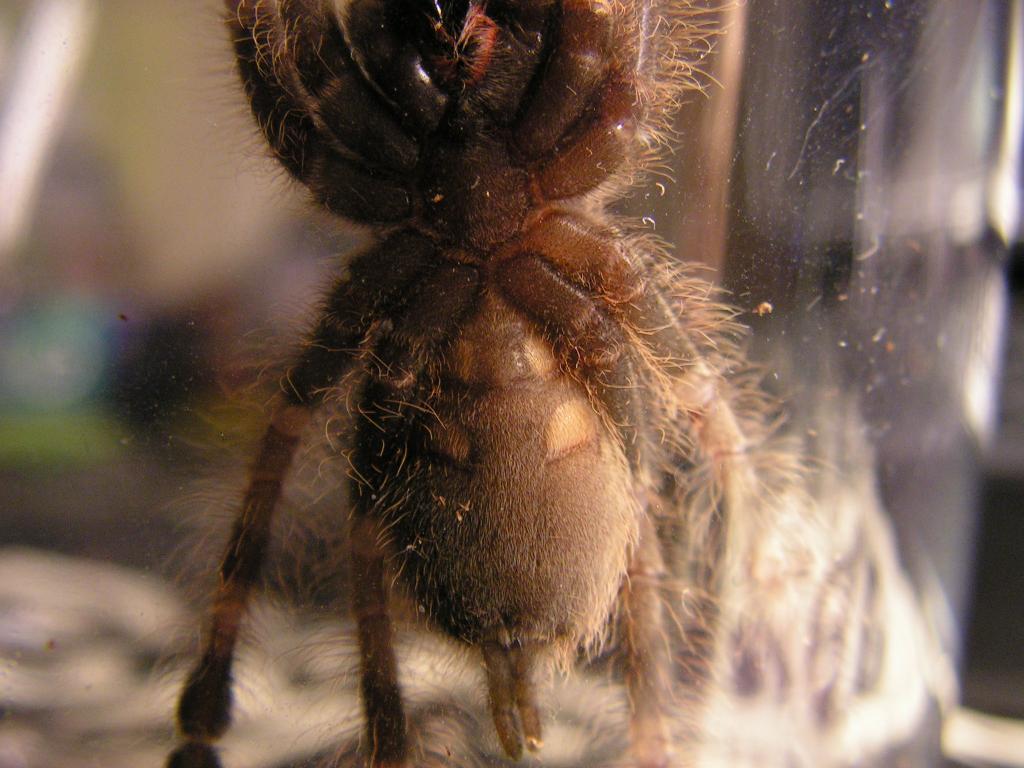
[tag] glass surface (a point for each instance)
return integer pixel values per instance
(851, 177)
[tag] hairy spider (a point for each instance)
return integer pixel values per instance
(554, 427)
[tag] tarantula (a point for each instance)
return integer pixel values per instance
(540, 395)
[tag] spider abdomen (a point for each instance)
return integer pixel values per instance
(508, 505)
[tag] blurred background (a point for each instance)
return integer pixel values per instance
(147, 251)
(153, 262)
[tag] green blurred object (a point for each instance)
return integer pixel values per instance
(82, 436)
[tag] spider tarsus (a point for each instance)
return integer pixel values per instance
(204, 711)
(194, 755)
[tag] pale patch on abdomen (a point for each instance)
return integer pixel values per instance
(499, 348)
(571, 426)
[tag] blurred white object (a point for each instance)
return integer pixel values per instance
(47, 61)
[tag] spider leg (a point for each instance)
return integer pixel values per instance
(646, 651)
(595, 149)
(591, 342)
(572, 74)
(577, 129)
(436, 304)
(442, 297)
(204, 709)
(324, 122)
(374, 288)
(378, 684)
(378, 34)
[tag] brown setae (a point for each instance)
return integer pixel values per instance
(537, 386)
